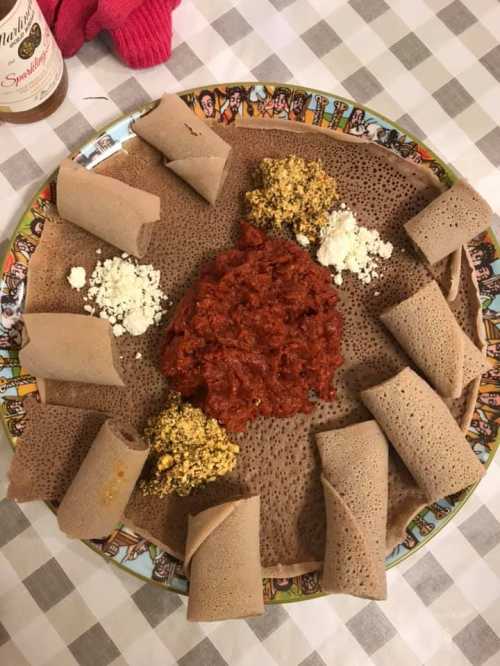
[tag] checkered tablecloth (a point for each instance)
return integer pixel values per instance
(432, 65)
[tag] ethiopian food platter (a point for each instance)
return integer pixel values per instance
(249, 342)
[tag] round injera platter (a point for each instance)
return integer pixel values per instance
(227, 103)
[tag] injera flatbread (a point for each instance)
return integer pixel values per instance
(427, 330)
(98, 495)
(117, 213)
(223, 562)
(354, 475)
(70, 347)
(454, 267)
(451, 221)
(54, 444)
(278, 459)
(419, 425)
(192, 150)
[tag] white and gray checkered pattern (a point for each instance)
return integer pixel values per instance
(434, 66)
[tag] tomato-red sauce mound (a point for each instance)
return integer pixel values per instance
(257, 334)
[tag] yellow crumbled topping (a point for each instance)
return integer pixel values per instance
(187, 450)
(294, 192)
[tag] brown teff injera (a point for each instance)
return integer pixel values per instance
(70, 348)
(354, 477)
(419, 425)
(427, 330)
(106, 207)
(279, 459)
(191, 148)
(98, 495)
(223, 562)
(54, 444)
(452, 220)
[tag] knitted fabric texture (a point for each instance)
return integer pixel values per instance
(141, 30)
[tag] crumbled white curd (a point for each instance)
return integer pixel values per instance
(346, 246)
(127, 294)
(77, 277)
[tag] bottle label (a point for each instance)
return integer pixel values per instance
(31, 64)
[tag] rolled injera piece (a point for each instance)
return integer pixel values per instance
(223, 562)
(70, 347)
(96, 499)
(118, 213)
(454, 273)
(421, 428)
(427, 330)
(355, 485)
(450, 221)
(406, 500)
(85, 396)
(192, 150)
(54, 444)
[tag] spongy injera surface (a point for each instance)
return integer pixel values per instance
(54, 445)
(278, 457)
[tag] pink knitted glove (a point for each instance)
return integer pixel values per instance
(144, 40)
(109, 15)
(67, 19)
(140, 29)
(69, 31)
(49, 10)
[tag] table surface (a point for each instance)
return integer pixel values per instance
(434, 66)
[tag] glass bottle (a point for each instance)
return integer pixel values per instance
(33, 76)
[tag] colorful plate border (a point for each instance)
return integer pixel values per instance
(225, 103)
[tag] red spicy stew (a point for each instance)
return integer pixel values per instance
(257, 333)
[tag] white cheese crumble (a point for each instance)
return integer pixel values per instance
(136, 322)
(77, 277)
(302, 240)
(118, 330)
(127, 294)
(138, 356)
(346, 246)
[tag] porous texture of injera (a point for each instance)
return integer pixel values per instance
(354, 477)
(98, 495)
(427, 330)
(191, 148)
(223, 562)
(54, 444)
(452, 220)
(278, 459)
(420, 427)
(52, 341)
(106, 207)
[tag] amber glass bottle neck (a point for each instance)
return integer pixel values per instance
(5, 7)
